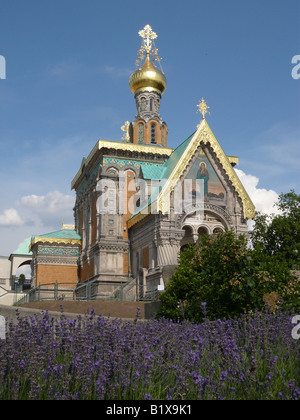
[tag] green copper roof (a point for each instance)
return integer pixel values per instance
(62, 234)
(152, 171)
(23, 249)
(164, 172)
(173, 159)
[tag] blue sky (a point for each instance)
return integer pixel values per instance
(68, 65)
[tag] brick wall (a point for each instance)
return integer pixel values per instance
(56, 273)
(87, 270)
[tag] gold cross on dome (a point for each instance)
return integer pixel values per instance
(147, 34)
(203, 108)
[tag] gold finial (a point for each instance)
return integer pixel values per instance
(125, 128)
(148, 45)
(203, 108)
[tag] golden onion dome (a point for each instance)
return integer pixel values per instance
(147, 79)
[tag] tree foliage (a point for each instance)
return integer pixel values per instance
(279, 235)
(222, 275)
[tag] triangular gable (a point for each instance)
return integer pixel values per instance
(176, 164)
(205, 136)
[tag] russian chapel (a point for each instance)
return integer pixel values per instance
(139, 203)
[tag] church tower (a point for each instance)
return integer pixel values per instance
(148, 84)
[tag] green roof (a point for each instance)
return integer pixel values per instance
(164, 172)
(173, 159)
(62, 234)
(23, 249)
(152, 171)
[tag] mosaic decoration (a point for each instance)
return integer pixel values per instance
(57, 250)
(212, 186)
(122, 162)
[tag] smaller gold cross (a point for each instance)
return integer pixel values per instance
(125, 128)
(147, 34)
(203, 108)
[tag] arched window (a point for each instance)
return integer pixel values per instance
(202, 231)
(141, 133)
(143, 104)
(153, 133)
(218, 230)
(151, 104)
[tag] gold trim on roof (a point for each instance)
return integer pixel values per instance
(130, 147)
(39, 239)
(233, 160)
(203, 136)
(140, 216)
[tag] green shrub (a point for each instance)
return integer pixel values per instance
(225, 275)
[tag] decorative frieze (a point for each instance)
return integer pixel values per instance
(59, 251)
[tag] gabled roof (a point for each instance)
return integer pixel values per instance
(175, 165)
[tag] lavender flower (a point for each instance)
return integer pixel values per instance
(253, 357)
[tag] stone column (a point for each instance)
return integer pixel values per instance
(167, 253)
(152, 256)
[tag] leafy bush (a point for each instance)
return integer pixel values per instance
(279, 235)
(224, 274)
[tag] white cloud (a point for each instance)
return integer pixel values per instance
(263, 199)
(117, 72)
(52, 208)
(68, 69)
(11, 217)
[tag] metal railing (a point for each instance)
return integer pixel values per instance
(91, 290)
(49, 291)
